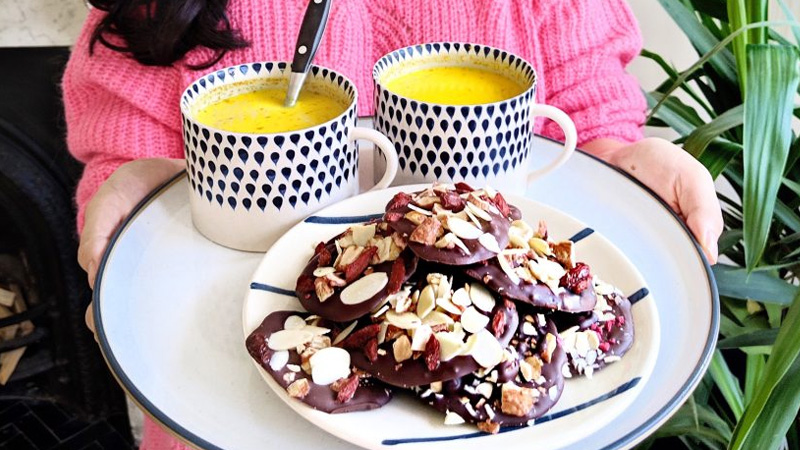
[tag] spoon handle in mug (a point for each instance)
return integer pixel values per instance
(311, 32)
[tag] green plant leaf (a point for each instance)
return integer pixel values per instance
(679, 116)
(777, 399)
(787, 12)
(757, 12)
(727, 384)
(754, 369)
(774, 75)
(752, 339)
(699, 139)
(758, 286)
(719, 153)
(737, 17)
(792, 185)
(728, 239)
(787, 216)
(703, 40)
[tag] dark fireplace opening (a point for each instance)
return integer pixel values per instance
(60, 393)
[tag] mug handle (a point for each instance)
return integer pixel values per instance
(386, 147)
(570, 141)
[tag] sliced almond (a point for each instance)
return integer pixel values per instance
(436, 387)
(362, 234)
(472, 218)
(507, 269)
(443, 289)
(485, 389)
(294, 323)
(481, 297)
(405, 321)
(329, 364)
(364, 288)
(437, 318)
(582, 343)
(346, 332)
(323, 271)
(473, 321)
(450, 345)
(288, 339)
(463, 229)
(485, 349)
(540, 246)
(478, 212)
(461, 298)
(489, 242)
(528, 329)
(550, 343)
(278, 360)
(459, 243)
(401, 348)
(451, 418)
(384, 327)
(349, 255)
(421, 335)
(447, 305)
(422, 211)
(426, 302)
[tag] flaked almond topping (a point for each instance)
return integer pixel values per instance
(485, 389)
(436, 387)
(472, 218)
(346, 332)
(421, 335)
(329, 364)
(401, 348)
(446, 304)
(405, 321)
(582, 343)
(484, 349)
(505, 265)
(294, 323)
(489, 242)
(602, 289)
(345, 241)
(481, 297)
(298, 388)
(362, 234)
(426, 302)
(463, 229)
(288, 339)
(550, 344)
(528, 329)
(450, 345)
(278, 360)
(364, 288)
(545, 270)
(478, 212)
(349, 255)
(461, 298)
(451, 418)
(323, 289)
(384, 328)
(593, 340)
(473, 321)
(323, 271)
(418, 210)
(437, 318)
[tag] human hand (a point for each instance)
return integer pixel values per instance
(675, 176)
(112, 203)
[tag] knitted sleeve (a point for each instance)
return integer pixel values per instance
(116, 110)
(586, 45)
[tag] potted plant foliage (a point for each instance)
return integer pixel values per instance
(734, 110)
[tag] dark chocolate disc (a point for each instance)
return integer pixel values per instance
(536, 294)
(369, 394)
(452, 254)
(332, 308)
(511, 396)
(613, 326)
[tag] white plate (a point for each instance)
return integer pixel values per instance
(168, 309)
(585, 406)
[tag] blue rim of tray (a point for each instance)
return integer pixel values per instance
(632, 437)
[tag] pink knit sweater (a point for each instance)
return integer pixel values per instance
(118, 110)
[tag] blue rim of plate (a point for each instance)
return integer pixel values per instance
(632, 437)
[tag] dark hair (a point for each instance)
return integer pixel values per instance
(160, 32)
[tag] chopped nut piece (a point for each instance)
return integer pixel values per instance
(415, 217)
(298, 388)
(451, 418)
(550, 346)
(533, 366)
(427, 232)
(347, 389)
(322, 289)
(541, 232)
(348, 256)
(489, 427)
(517, 401)
(564, 253)
(402, 348)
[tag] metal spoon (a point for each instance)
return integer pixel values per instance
(314, 22)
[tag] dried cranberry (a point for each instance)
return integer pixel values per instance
(397, 276)
(371, 349)
(451, 201)
(393, 216)
(432, 353)
(357, 339)
(577, 279)
(604, 347)
(499, 323)
(463, 188)
(257, 346)
(357, 267)
(400, 200)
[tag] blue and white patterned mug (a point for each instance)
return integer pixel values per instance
(247, 189)
(484, 144)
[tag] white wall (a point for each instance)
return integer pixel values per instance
(40, 22)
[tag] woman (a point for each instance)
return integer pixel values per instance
(134, 58)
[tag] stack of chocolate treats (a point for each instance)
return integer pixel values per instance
(453, 298)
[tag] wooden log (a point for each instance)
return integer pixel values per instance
(7, 297)
(19, 307)
(8, 363)
(9, 332)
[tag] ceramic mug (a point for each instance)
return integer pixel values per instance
(483, 144)
(247, 189)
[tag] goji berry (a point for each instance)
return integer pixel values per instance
(396, 277)
(432, 353)
(355, 268)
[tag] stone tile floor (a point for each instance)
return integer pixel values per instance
(43, 425)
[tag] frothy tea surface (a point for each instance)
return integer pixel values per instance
(262, 111)
(454, 85)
